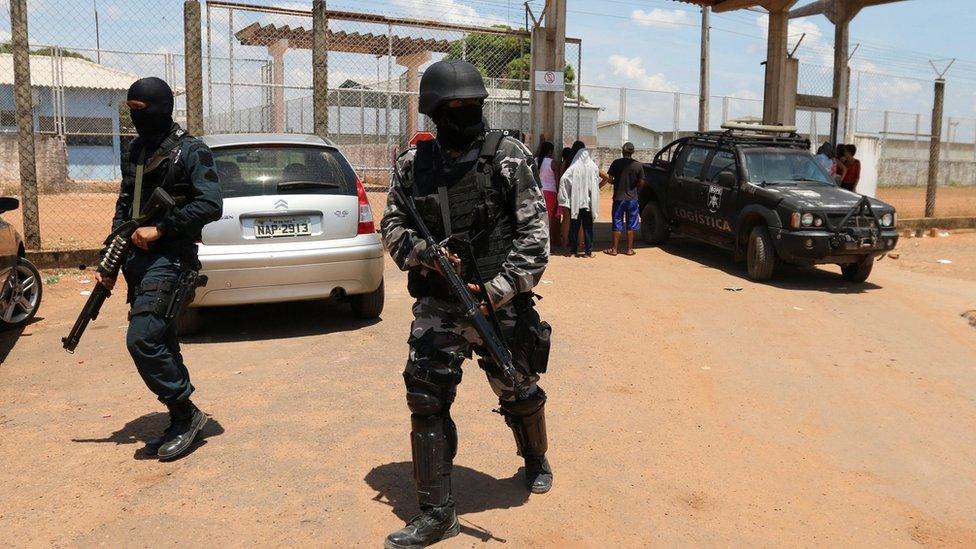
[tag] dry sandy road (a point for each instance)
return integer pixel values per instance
(808, 412)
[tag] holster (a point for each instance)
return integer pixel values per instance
(532, 338)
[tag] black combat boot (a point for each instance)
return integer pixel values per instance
(186, 422)
(527, 419)
(430, 526)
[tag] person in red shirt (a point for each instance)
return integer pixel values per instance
(852, 173)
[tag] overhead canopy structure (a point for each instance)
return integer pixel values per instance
(257, 34)
(411, 53)
(780, 98)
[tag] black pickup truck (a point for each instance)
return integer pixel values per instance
(763, 196)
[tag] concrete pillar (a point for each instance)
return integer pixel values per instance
(23, 106)
(320, 69)
(193, 65)
(773, 112)
(703, 88)
(841, 90)
(549, 54)
(277, 53)
(413, 62)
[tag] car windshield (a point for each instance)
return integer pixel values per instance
(784, 166)
(256, 170)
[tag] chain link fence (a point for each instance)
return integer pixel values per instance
(258, 77)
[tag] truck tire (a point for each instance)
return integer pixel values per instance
(654, 227)
(858, 272)
(189, 322)
(369, 305)
(761, 255)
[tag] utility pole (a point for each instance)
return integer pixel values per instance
(193, 66)
(549, 55)
(935, 146)
(23, 105)
(704, 77)
(98, 39)
(320, 69)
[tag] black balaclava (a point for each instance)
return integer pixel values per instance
(459, 127)
(155, 121)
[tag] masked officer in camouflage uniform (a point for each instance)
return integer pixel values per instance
(484, 187)
(163, 155)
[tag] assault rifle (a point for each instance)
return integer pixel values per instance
(490, 332)
(118, 245)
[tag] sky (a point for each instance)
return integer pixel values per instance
(638, 44)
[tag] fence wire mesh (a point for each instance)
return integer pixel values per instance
(258, 77)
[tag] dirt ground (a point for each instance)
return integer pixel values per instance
(805, 412)
(71, 221)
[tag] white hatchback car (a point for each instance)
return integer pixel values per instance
(296, 226)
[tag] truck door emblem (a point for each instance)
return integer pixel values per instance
(714, 198)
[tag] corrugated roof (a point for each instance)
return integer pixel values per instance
(74, 73)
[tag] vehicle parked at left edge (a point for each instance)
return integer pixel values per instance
(20, 294)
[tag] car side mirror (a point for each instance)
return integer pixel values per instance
(726, 179)
(8, 204)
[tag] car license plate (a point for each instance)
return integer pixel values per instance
(273, 227)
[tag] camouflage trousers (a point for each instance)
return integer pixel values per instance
(439, 327)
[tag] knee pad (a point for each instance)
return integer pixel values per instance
(527, 419)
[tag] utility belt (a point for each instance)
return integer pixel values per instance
(171, 296)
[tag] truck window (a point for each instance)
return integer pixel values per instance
(723, 161)
(694, 162)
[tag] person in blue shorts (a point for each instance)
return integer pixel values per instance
(627, 176)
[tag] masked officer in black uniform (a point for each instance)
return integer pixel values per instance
(164, 155)
(483, 188)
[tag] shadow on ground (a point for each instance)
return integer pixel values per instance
(787, 277)
(476, 492)
(275, 321)
(9, 338)
(141, 429)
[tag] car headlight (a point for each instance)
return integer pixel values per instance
(888, 220)
(806, 220)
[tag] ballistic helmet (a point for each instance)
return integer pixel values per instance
(448, 80)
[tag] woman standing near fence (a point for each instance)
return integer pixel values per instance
(548, 177)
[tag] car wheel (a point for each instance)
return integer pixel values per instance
(654, 228)
(189, 322)
(22, 295)
(858, 272)
(368, 305)
(761, 255)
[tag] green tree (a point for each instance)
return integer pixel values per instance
(6, 47)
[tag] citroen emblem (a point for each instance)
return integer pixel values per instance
(281, 205)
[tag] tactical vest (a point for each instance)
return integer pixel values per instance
(160, 170)
(480, 206)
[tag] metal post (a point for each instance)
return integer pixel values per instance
(623, 116)
(725, 109)
(193, 64)
(934, 147)
(25, 122)
(230, 55)
(389, 85)
(579, 88)
(918, 130)
(677, 114)
(704, 76)
(209, 69)
(320, 68)
(948, 148)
